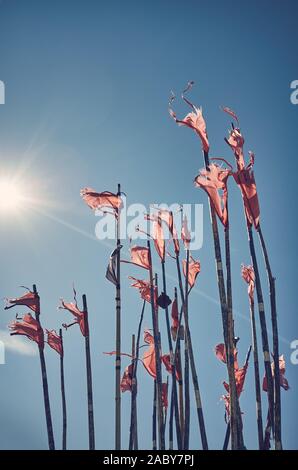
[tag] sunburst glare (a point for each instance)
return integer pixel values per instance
(12, 195)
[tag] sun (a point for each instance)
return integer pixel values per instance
(11, 195)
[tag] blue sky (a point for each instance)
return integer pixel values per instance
(87, 85)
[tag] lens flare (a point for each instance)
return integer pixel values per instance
(11, 195)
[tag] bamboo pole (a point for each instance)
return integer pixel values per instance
(173, 362)
(179, 371)
(267, 433)
(132, 407)
(89, 377)
(166, 408)
(118, 338)
(157, 356)
(51, 440)
(236, 436)
(272, 294)
(227, 437)
(186, 364)
(133, 437)
(171, 433)
(154, 433)
(200, 415)
(257, 374)
(228, 431)
(231, 335)
(264, 333)
(64, 411)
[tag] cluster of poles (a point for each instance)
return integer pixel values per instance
(171, 398)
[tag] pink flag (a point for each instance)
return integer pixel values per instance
(214, 182)
(220, 352)
(167, 217)
(29, 327)
(175, 319)
(139, 256)
(240, 375)
(164, 395)
(30, 300)
(248, 275)
(236, 142)
(54, 341)
(282, 370)
(144, 289)
(246, 182)
(126, 381)
(231, 113)
(78, 314)
(102, 200)
(166, 360)
(185, 234)
(149, 354)
(157, 234)
(194, 120)
(193, 270)
(244, 177)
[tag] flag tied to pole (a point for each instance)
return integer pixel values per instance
(164, 395)
(167, 217)
(149, 355)
(166, 360)
(282, 370)
(55, 341)
(157, 234)
(214, 182)
(175, 319)
(139, 256)
(101, 201)
(193, 270)
(78, 314)
(240, 374)
(144, 289)
(248, 276)
(30, 300)
(126, 381)
(194, 119)
(244, 176)
(185, 233)
(29, 327)
(111, 273)
(220, 352)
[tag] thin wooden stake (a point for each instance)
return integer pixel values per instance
(89, 377)
(64, 411)
(47, 406)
